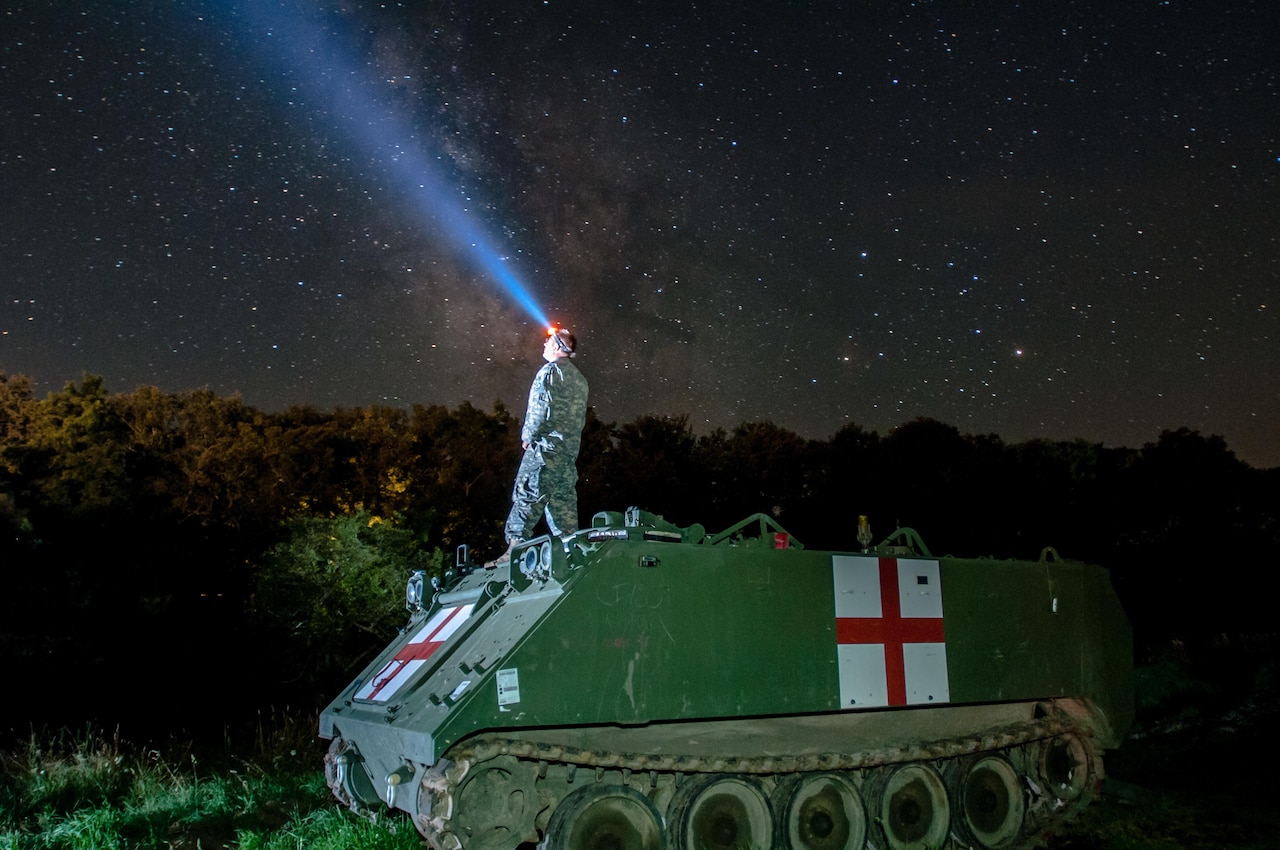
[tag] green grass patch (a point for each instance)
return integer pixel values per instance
(89, 790)
(332, 829)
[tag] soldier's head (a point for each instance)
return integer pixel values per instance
(560, 343)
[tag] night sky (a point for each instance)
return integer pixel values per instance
(1048, 219)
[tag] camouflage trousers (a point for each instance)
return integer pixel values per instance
(547, 483)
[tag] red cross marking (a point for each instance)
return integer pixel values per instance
(892, 630)
(415, 650)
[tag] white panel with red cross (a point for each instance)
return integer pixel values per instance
(890, 639)
(401, 669)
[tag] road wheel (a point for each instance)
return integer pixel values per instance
(908, 805)
(604, 817)
(819, 812)
(720, 813)
(987, 800)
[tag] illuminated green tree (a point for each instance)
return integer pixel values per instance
(80, 443)
(333, 590)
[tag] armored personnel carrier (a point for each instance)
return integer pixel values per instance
(642, 686)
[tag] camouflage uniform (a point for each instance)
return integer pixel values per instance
(548, 477)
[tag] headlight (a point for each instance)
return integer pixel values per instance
(413, 592)
(535, 562)
(529, 562)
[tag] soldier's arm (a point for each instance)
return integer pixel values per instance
(535, 420)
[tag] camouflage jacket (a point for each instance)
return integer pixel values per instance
(557, 408)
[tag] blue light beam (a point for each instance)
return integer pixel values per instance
(321, 64)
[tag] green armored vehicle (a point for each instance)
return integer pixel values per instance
(640, 686)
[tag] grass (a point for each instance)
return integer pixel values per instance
(66, 791)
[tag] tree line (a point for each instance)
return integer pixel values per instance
(170, 556)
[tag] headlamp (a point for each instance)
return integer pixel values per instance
(554, 333)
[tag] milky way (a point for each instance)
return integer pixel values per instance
(1047, 220)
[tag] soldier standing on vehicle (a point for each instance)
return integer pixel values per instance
(547, 481)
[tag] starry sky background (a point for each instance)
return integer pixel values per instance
(1033, 219)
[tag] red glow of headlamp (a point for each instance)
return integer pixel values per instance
(554, 333)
